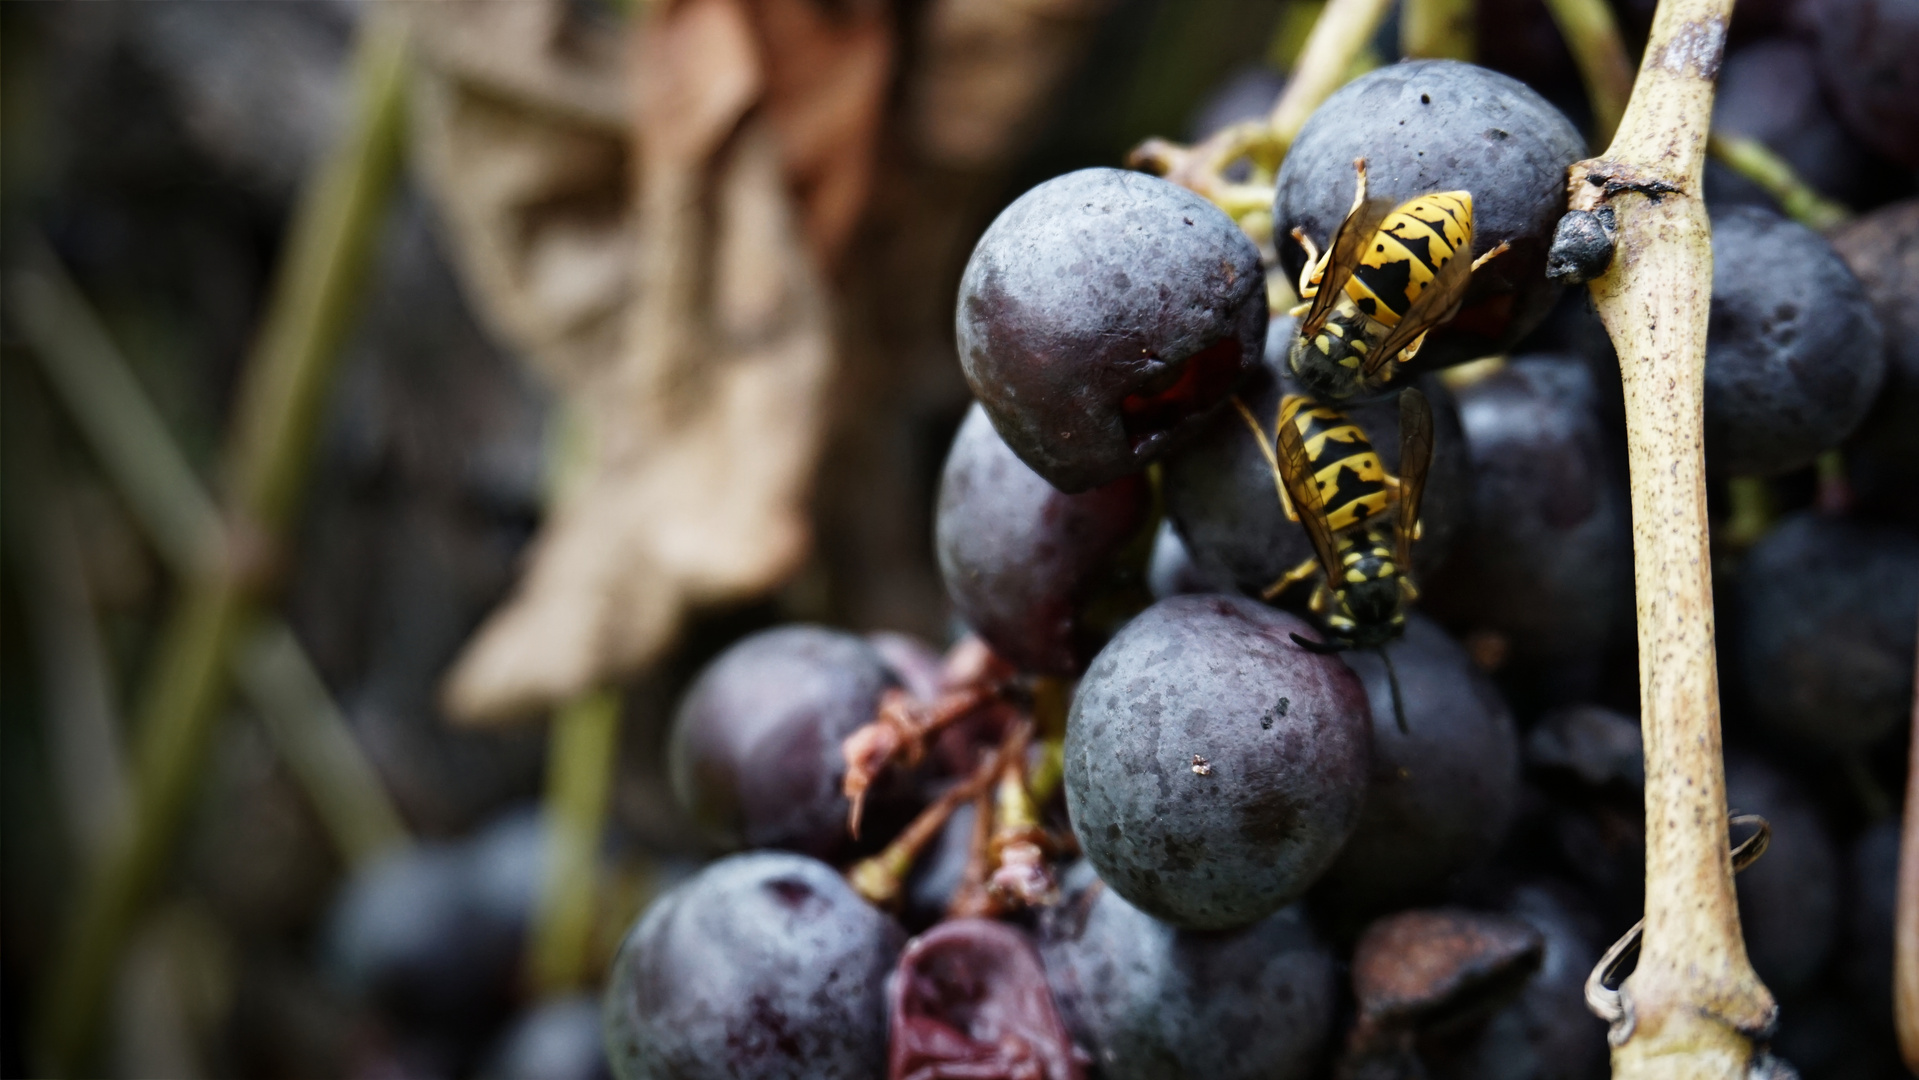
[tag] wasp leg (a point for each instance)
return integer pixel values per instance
(1488, 257)
(1406, 354)
(1407, 589)
(1307, 290)
(1272, 458)
(1359, 192)
(1293, 577)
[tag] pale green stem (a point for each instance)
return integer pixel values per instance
(125, 432)
(1756, 162)
(1436, 30)
(1337, 40)
(324, 269)
(1592, 35)
(582, 748)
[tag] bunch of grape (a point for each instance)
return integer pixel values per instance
(1141, 820)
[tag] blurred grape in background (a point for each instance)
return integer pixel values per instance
(402, 405)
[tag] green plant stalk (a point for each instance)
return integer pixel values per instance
(1753, 510)
(316, 743)
(1693, 1007)
(1756, 162)
(1437, 30)
(582, 747)
(128, 437)
(324, 269)
(1338, 39)
(1592, 35)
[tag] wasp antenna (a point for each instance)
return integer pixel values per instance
(1321, 647)
(1392, 677)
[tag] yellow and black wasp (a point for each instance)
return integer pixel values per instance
(1389, 275)
(1331, 481)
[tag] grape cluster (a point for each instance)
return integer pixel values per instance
(1149, 817)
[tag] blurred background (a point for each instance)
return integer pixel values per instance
(381, 382)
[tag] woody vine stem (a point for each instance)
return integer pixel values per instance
(1693, 1007)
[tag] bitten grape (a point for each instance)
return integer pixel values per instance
(1213, 766)
(765, 966)
(1102, 317)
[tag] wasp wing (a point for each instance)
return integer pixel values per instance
(1415, 459)
(1296, 471)
(1343, 254)
(1433, 306)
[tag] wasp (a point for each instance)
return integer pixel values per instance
(1362, 521)
(1389, 275)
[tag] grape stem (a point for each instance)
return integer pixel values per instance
(1693, 1007)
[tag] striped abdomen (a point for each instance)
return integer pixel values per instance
(1414, 241)
(1351, 480)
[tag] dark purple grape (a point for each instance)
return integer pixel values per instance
(1595, 744)
(1152, 1002)
(431, 937)
(915, 665)
(1221, 494)
(755, 749)
(1869, 63)
(1032, 570)
(1549, 1033)
(1547, 563)
(1102, 316)
(1213, 766)
(1789, 899)
(970, 1000)
(766, 966)
(1829, 610)
(1423, 973)
(1769, 91)
(1443, 790)
(1440, 125)
(1882, 250)
(558, 1040)
(1867, 947)
(1794, 353)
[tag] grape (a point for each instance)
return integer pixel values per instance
(1547, 563)
(1428, 971)
(432, 936)
(1869, 63)
(1102, 317)
(1794, 353)
(1548, 1033)
(1770, 91)
(1157, 1003)
(559, 1040)
(1220, 491)
(1439, 125)
(1171, 570)
(1212, 765)
(1882, 249)
(1825, 634)
(913, 663)
(765, 966)
(755, 748)
(1443, 791)
(1029, 568)
(970, 1000)
(1873, 873)
(1595, 744)
(1789, 899)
